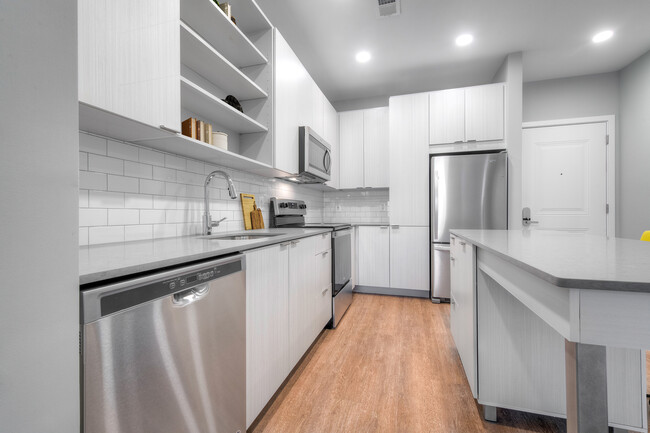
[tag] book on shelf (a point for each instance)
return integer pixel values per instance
(199, 130)
(208, 133)
(188, 127)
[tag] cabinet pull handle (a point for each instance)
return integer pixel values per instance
(167, 128)
(383, 227)
(458, 141)
(463, 243)
(324, 253)
(471, 141)
(394, 226)
(285, 244)
(453, 259)
(295, 242)
(324, 291)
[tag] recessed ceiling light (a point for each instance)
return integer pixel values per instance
(602, 36)
(464, 40)
(363, 56)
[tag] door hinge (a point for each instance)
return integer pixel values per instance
(607, 208)
(607, 139)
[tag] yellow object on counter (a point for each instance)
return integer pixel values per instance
(646, 236)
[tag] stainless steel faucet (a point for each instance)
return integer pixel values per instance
(209, 224)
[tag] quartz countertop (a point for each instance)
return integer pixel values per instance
(568, 259)
(107, 261)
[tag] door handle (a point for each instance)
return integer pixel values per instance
(186, 297)
(525, 217)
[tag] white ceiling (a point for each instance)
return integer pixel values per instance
(415, 51)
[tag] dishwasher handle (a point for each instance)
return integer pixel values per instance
(189, 296)
(186, 281)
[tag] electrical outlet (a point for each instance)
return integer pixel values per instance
(384, 207)
(338, 208)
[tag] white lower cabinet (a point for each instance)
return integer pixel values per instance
(409, 258)
(462, 316)
(288, 303)
(267, 325)
(373, 256)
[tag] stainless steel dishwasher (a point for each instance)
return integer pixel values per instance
(166, 353)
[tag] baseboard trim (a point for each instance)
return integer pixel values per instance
(392, 291)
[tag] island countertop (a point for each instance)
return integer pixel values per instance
(107, 261)
(568, 259)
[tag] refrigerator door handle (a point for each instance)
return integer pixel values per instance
(434, 217)
(442, 247)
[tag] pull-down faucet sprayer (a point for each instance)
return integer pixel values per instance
(209, 224)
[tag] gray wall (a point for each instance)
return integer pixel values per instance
(39, 163)
(562, 98)
(634, 130)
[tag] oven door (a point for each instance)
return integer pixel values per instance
(341, 260)
(315, 154)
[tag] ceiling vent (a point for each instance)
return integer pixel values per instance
(388, 8)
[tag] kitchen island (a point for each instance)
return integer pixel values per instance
(553, 323)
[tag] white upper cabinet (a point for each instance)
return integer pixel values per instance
(447, 116)
(467, 115)
(484, 112)
(409, 159)
(298, 101)
(129, 59)
(351, 149)
(331, 135)
(375, 148)
(364, 148)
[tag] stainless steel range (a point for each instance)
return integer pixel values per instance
(291, 213)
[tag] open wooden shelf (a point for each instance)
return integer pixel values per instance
(249, 16)
(209, 21)
(201, 57)
(191, 148)
(214, 110)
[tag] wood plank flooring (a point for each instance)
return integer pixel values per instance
(390, 366)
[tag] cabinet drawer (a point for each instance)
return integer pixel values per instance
(322, 242)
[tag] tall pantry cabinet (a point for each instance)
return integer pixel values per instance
(409, 191)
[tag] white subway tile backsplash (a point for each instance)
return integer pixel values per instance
(152, 216)
(152, 187)
(92, 144)
(107, 200)
(92, 217)
(91, 180)
(166, 174)
(154, 195)
(152, 157)
(104, 164)
(105, 235)
(122, 217)
(138, 233)
(83, 236)
(83, 198)
(176, 162)
(122, 184)
(138, 201)
(136, 169)
(122, 150)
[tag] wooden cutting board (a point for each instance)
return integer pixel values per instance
(256, 218)
(247, 206)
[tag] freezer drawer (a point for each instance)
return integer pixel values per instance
(440, 271)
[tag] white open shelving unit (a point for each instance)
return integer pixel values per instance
(215, 48)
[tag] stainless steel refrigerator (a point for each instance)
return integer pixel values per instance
(468, 191)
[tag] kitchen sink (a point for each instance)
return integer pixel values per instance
(241, 237)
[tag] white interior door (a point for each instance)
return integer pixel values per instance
(565, 177)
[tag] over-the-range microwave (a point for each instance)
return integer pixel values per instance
(314, 158)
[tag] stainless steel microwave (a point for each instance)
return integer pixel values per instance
(315, 157)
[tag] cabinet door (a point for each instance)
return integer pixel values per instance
(351, 149)
(447, 116)
(375, 147)
(129, 59)
(484, 112)
(462, 318)
(323, 295)
(409, 258)
(267, 326)
(331, 120)
(409, 159)
(303, 286)
(292, 102)
(374, 256)
(317, 109)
